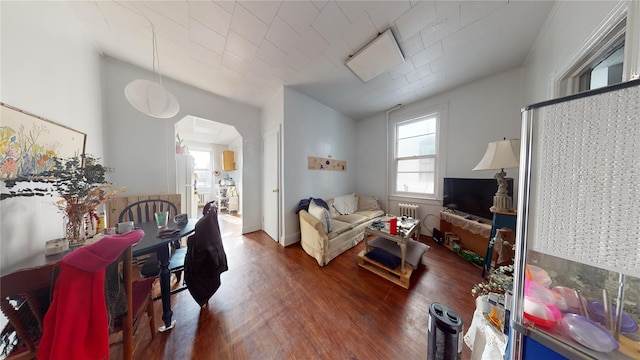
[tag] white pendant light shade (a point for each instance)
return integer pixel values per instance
(151, 98)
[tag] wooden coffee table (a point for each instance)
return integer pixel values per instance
(399, 276)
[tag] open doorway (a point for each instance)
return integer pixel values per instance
(203, 142)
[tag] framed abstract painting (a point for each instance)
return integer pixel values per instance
(28, 143)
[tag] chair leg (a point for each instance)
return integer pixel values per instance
(152, 320)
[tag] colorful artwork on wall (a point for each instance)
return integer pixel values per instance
(28, 143)
(318, 163)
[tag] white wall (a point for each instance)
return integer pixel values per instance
(142, 148)
(50, 69)
(313, 129)
(478, 113)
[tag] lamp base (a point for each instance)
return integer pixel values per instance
(502, 203)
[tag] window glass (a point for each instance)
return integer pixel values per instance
(202, 168)
(415, 158)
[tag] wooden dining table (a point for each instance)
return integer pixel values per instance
(149, 244)
(152, 244)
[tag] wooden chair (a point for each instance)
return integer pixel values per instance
(29, 287)
(139, 299)
(143, 211)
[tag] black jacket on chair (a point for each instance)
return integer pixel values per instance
(205, 259)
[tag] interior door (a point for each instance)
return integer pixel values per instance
(270, 190)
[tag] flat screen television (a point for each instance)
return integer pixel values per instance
(472, 196)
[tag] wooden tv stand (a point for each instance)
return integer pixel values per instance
(473, 235)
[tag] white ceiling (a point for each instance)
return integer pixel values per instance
(246, 50)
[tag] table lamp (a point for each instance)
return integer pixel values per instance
(502, 154)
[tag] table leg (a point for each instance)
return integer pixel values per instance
(403, 250)
(165, 289)
(366, 242)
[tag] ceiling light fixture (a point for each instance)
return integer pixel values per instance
(379, 56)
(150, 97)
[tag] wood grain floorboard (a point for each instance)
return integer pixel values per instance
(277, 303)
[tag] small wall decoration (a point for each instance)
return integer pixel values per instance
(318, 163)
(28, 143)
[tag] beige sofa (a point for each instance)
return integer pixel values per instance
(346, 230)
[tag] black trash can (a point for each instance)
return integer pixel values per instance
(445, 333)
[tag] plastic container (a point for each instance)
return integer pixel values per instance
(588, 333)
(566, 299)
(596, 308)
(540, 313)
(538, 275)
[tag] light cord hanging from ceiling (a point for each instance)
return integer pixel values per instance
(151, 97)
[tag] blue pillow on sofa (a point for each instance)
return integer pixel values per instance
(384, 257)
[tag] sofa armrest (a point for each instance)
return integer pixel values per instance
(313, 239)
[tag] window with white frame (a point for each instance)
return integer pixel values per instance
(415, 159)
(202, 168)
(609, 56)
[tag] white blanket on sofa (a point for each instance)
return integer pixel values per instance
(345, 204)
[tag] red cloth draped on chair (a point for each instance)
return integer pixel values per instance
(76, 324)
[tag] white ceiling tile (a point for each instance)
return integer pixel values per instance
(402, 69)
(338, 51)
(270, 54)
(384, 13)
(206, 37)
(418, 73)
(282, 35)
(298, 61)
(287, 74)
(311, 43)
(360, 32)
(471, 11)
(474, 32)
(412, 22)
(116, 14)
(211, 15)
(411, 87)
(264, 10)
(354, 9)
(176, 11)
(431, 79)
(427, 55)
(168, 48)
(320, 4)
(240, 47)
(331, 23)
(228, 6)
(411, 46)
(443, 27)
(248, 25)
(167, 28)
(89, 11)
(298, 14)
(234, 62)
(204, 54)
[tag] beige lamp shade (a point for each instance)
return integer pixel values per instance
(151, 98)
(501, 154)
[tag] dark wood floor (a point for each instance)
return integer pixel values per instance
(277, 303)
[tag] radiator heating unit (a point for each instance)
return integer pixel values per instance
(201, 199)
(409, 210)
